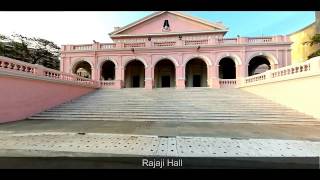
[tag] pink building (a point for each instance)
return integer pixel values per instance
(171, 49)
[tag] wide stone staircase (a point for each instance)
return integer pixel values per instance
(168, 104)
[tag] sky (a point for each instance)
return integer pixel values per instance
(76, 27)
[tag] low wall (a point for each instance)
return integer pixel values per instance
(296, 86)
(27, 89)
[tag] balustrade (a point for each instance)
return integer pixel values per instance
(107, 46)
(259, 40)
(164, 44)
(106, 84)
(133, 45)
(288, 72)
(225, 83)
(195, 42)
(40, 71)
(171, 42)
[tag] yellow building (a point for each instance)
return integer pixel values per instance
(299, 50)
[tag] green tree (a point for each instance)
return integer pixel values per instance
(315, 40)
(32, 50)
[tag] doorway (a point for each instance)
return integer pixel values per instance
(165, 81)
(196, 81)
(136, 81)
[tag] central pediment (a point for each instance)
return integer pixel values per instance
(167, 22)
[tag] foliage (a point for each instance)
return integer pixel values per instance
(32, 50)
(315, 40)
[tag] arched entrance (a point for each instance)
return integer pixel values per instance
(83, 69)
(258, 64)
(227, 68)
(134, 74)
(108, 71)
(196, 73)
(165, 74)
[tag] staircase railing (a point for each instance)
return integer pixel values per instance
(35, 70)
(309, 68)
(228, 83)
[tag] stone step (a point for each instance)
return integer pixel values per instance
(189, 114)
(189, 105)
(159, 113)
(217, 117)
(105, 108)
(243, 121)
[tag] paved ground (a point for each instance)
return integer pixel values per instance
(201, 129)
(108, 138)
(143, 145)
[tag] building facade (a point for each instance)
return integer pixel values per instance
(171, 49)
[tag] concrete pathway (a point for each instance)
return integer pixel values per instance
(200, 129)
(148, 145)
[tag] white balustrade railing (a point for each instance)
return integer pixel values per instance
(171, 42)
(35, 70)
(291, 70)
(83, 47)
(259, 40)
(308, 68)
(225, 83)
(107, 45)
(257, 77)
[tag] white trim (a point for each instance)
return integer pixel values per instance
(270, 57)
(204, 58)
(173, 60)
(168, 33)
(77, 61)
(161, 12)
(102, 60)
(234, 57)
(129, 59)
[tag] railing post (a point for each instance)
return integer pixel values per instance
(39, 70)
(241, 81)
(268, 74)
(96, 45)
(315, 64)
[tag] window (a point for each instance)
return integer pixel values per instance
(166, 25)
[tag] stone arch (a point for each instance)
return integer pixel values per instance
(107, 70)
(204, 58)
(134, 73)
(82, 68)
(128, 60)
(223, 72)
(271, 58)
(196, 72)
(164, 73)
(103, 60)
(227, 68)
(173, 60)
(234, 57)
(76, 61)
